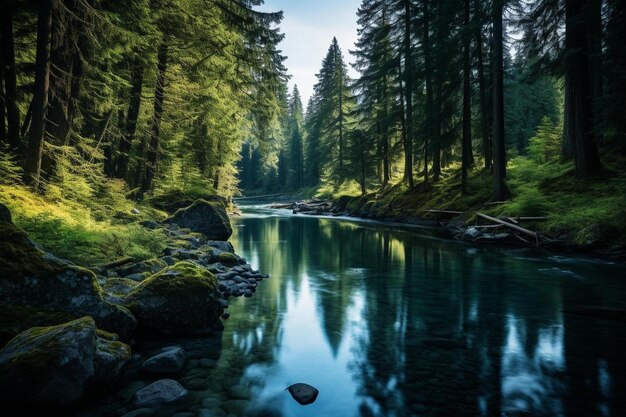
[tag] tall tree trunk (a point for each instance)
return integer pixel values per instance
(341, 116)
(155, 129)
(3, 114)
(408, 94)
(32, 164)
(567, 148)
(109, 149)
(134, 105)
(467, 116)
(10, 77)
(577, 69)
(484, 121)
(500, 190)
(594, 14)
(428, 73)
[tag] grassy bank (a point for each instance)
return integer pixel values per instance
(590, 212)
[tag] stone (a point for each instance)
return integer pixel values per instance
(56, 364)
(32, 277)
(237, 407)
(160, 392)
(110, 358)
(208, 218)
(139, 412)
(169, 362)
(239, 392)
(304, 394)
(151, 266)
(221, 245)
(211, 402)
(183, 298)
(471, 233)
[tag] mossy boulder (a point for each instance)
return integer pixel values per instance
(29, 276)
(56, 365)
(206, 217)
(183, 298)
(177, 199)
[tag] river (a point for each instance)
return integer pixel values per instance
(388, 322)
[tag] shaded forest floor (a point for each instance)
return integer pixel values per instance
(587, 214)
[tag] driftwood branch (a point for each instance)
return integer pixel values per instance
(510, 226)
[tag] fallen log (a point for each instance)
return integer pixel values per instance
(510, 226)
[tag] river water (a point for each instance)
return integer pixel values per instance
(387, 322)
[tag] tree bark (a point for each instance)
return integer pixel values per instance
(3, 118)
(10, 77)
(408, 94)
(155, 129)
(578, 73)
(500, 190)
(32, 165)
(428, 74)
(484, 121)
(467, 116)
(134, 105)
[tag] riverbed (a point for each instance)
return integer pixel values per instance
(385, 321)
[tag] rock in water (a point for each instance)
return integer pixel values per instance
(170, 361)
(161, 392)
(183, 298)
(208, 218)
(303, 393)
(55, 365)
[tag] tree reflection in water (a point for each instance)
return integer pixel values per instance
(386, 323)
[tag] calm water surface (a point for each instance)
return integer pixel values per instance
(385, 322)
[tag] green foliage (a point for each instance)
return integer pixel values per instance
(545, 146)
(70, 230)
(10, 171)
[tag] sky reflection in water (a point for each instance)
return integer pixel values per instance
(386, 323)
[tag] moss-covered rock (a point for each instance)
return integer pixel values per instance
(226, 258)
(55, 365)
(16, 318)
(177, 199)
(29, 276)
(151, 266)
(183, 298)
(206, 217)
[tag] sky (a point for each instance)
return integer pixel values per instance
(309, 27)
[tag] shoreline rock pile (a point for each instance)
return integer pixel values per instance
(183, 292)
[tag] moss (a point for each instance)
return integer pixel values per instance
(111, 337)
(43, 343)
(20, 256)
(16, 318)
(119, 286)
(80, 233)
(180, 278)
(227, 258)
(173, 200)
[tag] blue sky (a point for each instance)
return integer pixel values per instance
(309, 27)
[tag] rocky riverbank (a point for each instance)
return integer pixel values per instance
(458, 225)
(70, 332)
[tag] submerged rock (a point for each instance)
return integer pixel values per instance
(55, 365)
(208, 218)
(161, 392)
(183, 298)
(304, 394)
(171, 361)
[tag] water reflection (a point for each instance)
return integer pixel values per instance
(386, 323)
